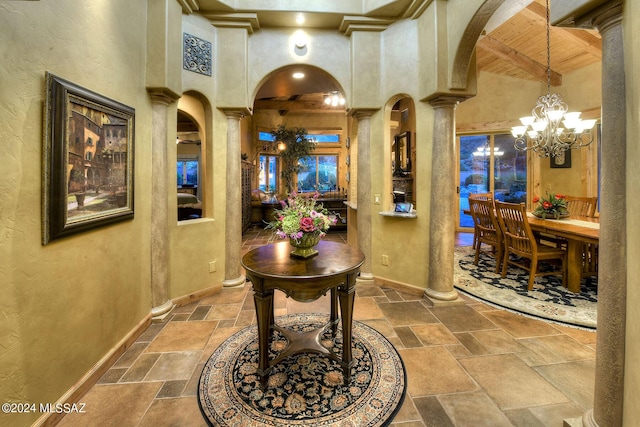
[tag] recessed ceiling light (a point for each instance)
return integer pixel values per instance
(299, 19)
(298, 75)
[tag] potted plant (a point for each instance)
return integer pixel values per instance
(297, 147)
(552, 206)
(304, 221)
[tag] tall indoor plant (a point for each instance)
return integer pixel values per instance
(297, 147)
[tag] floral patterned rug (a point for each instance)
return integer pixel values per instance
(304, 389)
(548, 300)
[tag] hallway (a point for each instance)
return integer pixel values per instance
(466, 366)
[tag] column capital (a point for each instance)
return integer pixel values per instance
(162, 95)
(445, 100)
(607, 16)
(362, 113)
(601, 17)
(236, 113)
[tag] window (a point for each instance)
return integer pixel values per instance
(490, 163)
(188, 172)
(323, 138)
(268, 173)
(318, 173)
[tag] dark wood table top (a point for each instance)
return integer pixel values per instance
(273, 261)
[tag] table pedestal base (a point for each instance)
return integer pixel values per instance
(309, 341)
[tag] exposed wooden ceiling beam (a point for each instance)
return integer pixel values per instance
(518, 59)
(591, 43)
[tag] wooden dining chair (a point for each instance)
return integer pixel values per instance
(581, 206)
(477, 196)
(487, 230)
(520, 241)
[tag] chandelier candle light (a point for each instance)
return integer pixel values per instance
(542, 131)
(334, 99)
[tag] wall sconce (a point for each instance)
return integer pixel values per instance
(282, 146)
(301, 42)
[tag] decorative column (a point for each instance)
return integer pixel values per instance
(364, 194)
(612, 296)
(233, 273)
(161, 304)
(442, 226)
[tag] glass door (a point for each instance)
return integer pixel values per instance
(489, 163)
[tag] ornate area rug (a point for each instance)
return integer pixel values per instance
(548, 300)
(305, 389)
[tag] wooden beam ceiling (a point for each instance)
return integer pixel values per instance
(519, 60)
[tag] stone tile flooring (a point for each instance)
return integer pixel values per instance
(472, 365)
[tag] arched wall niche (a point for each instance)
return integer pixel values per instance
(400, 148)
(193, 145)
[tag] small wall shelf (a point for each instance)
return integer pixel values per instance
(411, 215)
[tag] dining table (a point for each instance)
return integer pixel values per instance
(576, 231)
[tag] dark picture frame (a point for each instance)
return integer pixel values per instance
(88, 160)
(563, 161)
(402, 154)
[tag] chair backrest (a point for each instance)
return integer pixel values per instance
(515, 226)
(481, 196)
(484, 216)
(581, 206)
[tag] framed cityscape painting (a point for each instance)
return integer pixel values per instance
(87, 160)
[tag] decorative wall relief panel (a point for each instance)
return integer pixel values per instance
(196, 55)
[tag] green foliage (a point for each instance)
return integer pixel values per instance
(298, 146)
(552, 206)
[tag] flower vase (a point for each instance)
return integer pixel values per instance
(551, 216)
(304, 246)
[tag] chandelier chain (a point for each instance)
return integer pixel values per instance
(548, 50)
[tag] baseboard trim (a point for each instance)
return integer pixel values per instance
(88, 380)
(197, 296)
(399, 286)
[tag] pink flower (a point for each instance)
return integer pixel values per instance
(306, 224)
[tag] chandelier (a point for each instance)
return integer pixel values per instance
(334, 99)
(543, 131)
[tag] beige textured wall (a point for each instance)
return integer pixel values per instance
(64, 305)
(632, 343)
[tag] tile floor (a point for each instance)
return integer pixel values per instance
(472, 365)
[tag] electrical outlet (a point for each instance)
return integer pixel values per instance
(385, 260)
(376, 199)
(212, 266)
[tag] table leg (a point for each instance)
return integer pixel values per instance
(264, 316)
(333, 317)
(347, 295)
(574, 265)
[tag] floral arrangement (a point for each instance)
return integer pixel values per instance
(301, 215)
(554, 205)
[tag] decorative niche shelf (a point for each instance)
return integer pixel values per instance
(411, 215)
